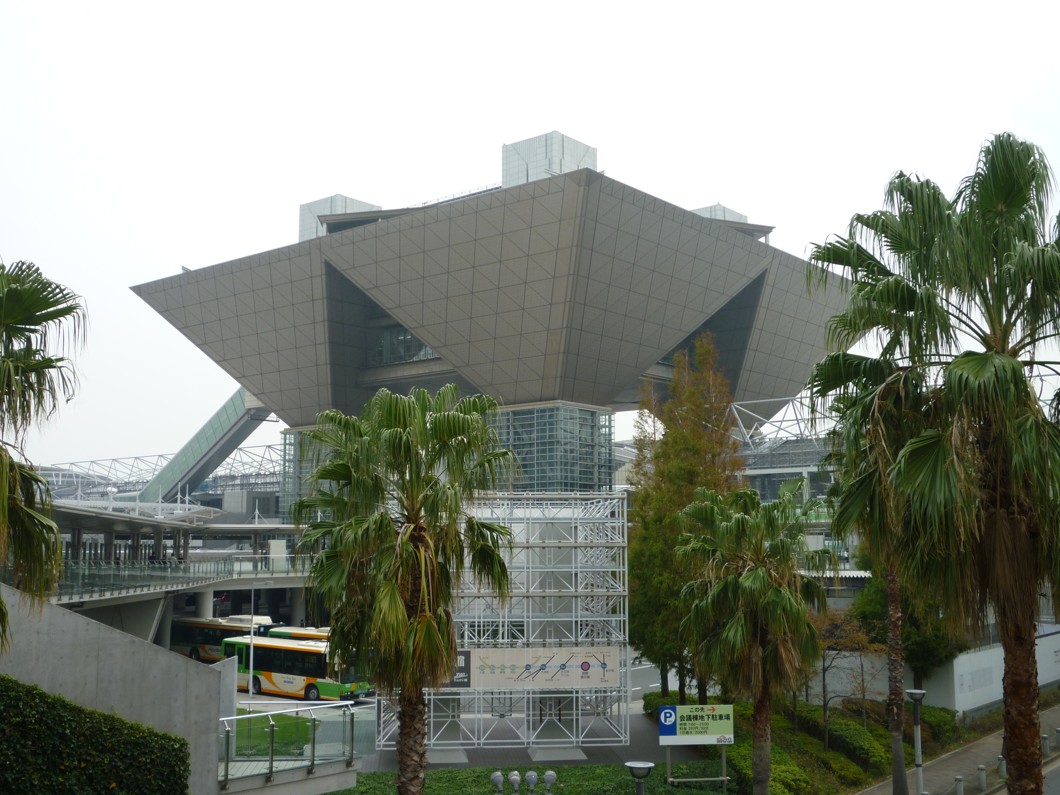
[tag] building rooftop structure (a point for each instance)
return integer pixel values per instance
(573, 288)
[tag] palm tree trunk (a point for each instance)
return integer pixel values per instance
(1020, 688)
(664, 679)
(701, 688)
(895, 683)
(824, 698)
(412, 741)
(760, 740)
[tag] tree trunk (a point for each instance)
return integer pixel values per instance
(824, 698)
(864, 693)
(664, 679)
(682, 683)
(701, 688)
(760, 740)
(1020, 688)
(896, 683)
(412, 742)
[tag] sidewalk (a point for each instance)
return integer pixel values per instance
(643, 747)
(940, 773)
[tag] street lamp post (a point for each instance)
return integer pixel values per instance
(250, 675)
(917, 696)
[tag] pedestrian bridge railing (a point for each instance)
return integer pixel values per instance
(303, 737)
(86, 580)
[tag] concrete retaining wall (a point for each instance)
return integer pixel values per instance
(102, 668)
(973, 681)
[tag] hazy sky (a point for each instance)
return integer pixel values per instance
(140, 138)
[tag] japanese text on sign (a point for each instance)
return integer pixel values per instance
(696, 724)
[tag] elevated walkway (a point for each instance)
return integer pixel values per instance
(93, 581)
(207, 449)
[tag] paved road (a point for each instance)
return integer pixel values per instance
(940, 774)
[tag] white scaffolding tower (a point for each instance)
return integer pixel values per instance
(550, 667)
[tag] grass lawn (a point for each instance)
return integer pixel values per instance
(251, 735)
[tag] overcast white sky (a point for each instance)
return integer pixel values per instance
(138, 138)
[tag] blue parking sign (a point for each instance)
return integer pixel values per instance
(667, 721)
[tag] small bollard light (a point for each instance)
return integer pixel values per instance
(514, 779)
(958, 784)
(981, 775)
(549, 778)
(1002, 767)
(498, 780)
(531, 780)
(640, 771)
(1045, 746)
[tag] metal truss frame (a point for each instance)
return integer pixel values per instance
(255, 468)
(567, 565)
(517, 719)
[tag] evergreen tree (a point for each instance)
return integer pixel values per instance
(682, 444)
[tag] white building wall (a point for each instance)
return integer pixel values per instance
(543, 156)
(309, 225)
(974, 680)
(850, 675)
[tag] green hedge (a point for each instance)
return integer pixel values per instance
(654, 700)
(48, 744)
(845, 735)
(809, 751)
(942, 722)
(785, 777)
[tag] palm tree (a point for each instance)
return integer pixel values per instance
(749, 605)
(38, 319)
(880, 406)
(966, 291)
(389, 502)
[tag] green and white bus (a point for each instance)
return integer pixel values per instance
(200, 638)
(295, 668)
(300, 633)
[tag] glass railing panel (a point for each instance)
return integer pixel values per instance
(302, 737)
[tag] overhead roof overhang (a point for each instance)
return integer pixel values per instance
(568, 288)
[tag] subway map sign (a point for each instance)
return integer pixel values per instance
(696, 724)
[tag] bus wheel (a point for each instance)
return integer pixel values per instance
(312, 693)
(193, 653)
(255, 686)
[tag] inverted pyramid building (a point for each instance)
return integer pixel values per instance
(570, 288)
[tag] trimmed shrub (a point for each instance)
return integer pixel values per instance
(654, 700)
(48, 744)
(942, 722)
(785, 777)
(846, 736)
(810, 751)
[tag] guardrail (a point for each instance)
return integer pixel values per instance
(95, 579)
(264, 743)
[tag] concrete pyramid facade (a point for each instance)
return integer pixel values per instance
(569, 288)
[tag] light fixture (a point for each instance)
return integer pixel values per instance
(549, 778)
(514, 779)
(497, 778)
(531, 780)
(640, 771)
